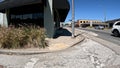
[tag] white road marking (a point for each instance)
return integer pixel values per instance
(88, 32)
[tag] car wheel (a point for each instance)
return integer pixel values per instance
(116, 33)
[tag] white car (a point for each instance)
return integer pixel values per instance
(116, 28)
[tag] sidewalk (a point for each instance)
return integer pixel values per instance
(88, 54)
(62, 40)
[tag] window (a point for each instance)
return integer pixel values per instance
(118, 23)
(83, 21)
(80, 21)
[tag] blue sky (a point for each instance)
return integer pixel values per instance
(95, 9)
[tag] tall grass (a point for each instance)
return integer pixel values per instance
(22, 37)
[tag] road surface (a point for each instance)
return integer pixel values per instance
(104, 34)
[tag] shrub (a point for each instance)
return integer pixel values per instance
(22, 37)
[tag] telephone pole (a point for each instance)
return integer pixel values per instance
(73, 20)
(104, 16)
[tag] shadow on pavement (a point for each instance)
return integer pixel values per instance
(115, 36)
(62, 32)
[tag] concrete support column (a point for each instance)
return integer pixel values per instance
(108, 25)
(57, 22)
(3, 19)
(49, 18)
(91, 24)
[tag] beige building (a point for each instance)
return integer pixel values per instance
(91, 23)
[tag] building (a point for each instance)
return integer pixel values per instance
(91, 23)
(45, 13)
(111, 22)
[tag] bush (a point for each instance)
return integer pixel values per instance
(22, 37)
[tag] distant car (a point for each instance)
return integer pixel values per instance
(99, 27)
(116, 29)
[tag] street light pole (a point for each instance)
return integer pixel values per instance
(73, 20)
(104, 16)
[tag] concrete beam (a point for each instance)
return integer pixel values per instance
(49, 18)
(3, 19)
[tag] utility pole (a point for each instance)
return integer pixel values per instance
(73, 20)
(107, 25)
(104, 16)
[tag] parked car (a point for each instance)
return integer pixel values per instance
(99, 27)
(116, 28)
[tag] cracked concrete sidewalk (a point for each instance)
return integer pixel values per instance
(88, 54)
(64, 40)
(99, 55)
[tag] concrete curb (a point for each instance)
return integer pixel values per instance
(14, 52)
(83, 38)
(34, 51)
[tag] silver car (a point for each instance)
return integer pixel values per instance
(99, 27)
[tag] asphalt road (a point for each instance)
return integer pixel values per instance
(104, 34)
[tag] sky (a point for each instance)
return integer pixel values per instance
(95, 10)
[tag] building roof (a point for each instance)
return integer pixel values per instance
(113, 21)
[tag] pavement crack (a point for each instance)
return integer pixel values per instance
(32, 62)
(96, 62)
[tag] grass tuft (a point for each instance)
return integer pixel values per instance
(22, 37)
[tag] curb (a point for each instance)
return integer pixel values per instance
(21, 52)
(27, 52)
(83, 38)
